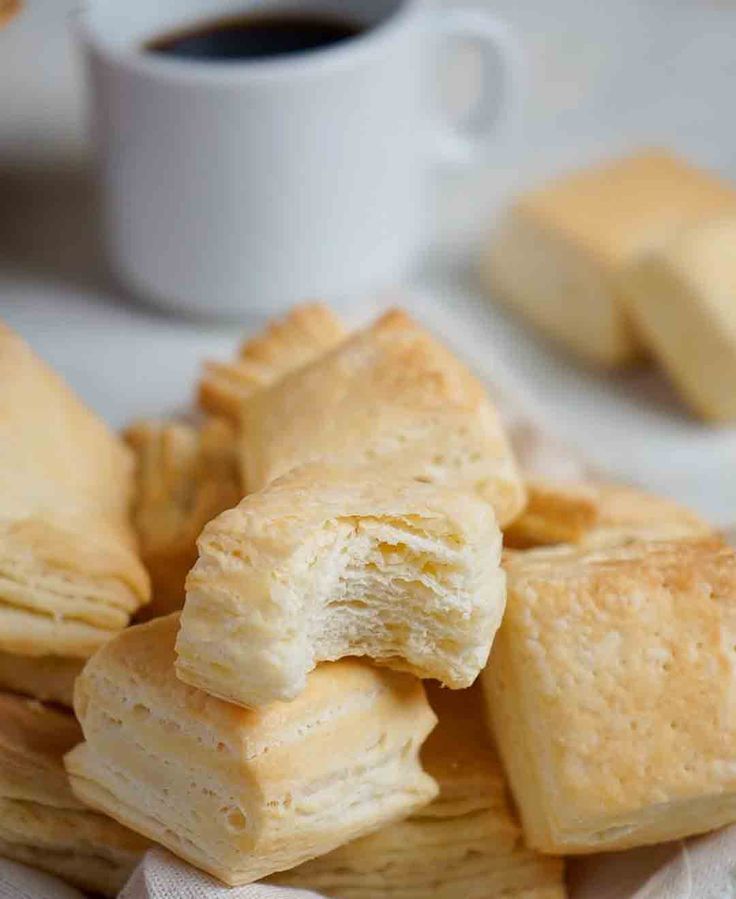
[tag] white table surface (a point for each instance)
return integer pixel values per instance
(600, 80)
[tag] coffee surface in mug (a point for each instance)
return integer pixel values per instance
(254, 36)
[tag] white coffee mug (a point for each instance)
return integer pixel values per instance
(231, 188)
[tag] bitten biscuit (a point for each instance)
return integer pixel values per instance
(610, 690)
(185, 475)
(597, 514)
(238, 793)
(70, 576)
(305, 333)
(389, 393)
(42, 824)
(558, 253)
(467, 843)
(682, 298)
(329, 562)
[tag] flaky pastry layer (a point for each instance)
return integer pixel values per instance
(186, 474)
(333, 561)
(42, 823)
(70, 575)
(305, 333)
(241, 793)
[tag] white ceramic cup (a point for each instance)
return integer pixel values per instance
(231, 188)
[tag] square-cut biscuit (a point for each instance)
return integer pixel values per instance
(390, 393)
(70, 576)
(682, 298)
(242, 793)
(305, 333)
(467, 843)
(610, 688)
(333, 561)
(186, 474)
(598, 514)
(558, 252)
(42, 824)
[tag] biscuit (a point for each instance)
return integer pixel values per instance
(598, 514)
(328, 562)
(305, 333)
(390, 393)
(559, 250)
(680, 297)
(241, 793)
(70, 576)
(610, 689)
(186, 474)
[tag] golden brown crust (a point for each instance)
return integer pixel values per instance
(68, 559)
(597, 514)
(390, 392)
(627, 513)
(604, 673)
(555, 512)
(185, 476)
(305, 333)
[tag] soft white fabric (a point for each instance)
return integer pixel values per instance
(699, 868)
(19, 882)
(163, 876)
(159, 876)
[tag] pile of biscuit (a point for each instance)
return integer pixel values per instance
(631, 259)
(325, 632)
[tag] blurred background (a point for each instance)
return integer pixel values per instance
(600, 79)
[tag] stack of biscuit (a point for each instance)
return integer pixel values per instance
(280, 716)
(632, 258)
(42, 823)
(70, 579)
(381, 663)
(70, 574)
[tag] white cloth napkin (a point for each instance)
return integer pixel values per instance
(163, 876)
(19, 882)
(698, 868)
(160, 875)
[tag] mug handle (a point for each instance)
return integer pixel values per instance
(499, 88)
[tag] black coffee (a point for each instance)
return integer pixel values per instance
(254, 37)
